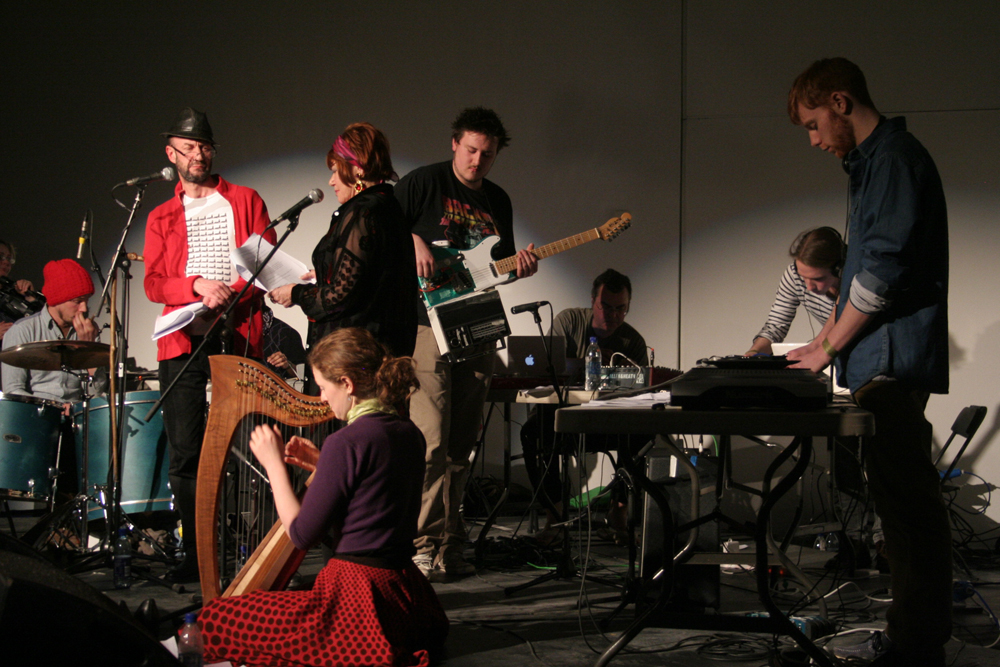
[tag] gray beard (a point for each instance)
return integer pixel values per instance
(191, 178)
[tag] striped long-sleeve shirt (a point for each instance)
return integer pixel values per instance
(791, 294)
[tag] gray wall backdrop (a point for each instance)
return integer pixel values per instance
(673, 111)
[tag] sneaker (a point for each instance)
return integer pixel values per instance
(877, 645)
(424, 563)
(454, 565)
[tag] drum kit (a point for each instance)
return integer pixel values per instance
(34, 451)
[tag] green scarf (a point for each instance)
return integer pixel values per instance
(368, 406)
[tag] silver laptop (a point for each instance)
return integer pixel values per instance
(526, 356)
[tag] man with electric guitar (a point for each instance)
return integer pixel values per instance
(452, 204)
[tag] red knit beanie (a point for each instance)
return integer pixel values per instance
(65, 280)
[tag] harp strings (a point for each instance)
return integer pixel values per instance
(254, 512)
(235, 500)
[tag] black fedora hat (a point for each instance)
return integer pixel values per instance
(191, 124)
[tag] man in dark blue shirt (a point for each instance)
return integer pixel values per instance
(889, 338)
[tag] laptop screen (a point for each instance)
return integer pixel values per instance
(526, 356)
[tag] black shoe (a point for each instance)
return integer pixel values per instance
(853, 555)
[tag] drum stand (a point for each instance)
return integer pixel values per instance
(72, 518)
(61, 523)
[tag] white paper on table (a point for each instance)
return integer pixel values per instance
(647, 400)
(538, 392)
(283, 269)
(177, 319)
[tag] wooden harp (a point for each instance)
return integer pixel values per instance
(244, 394)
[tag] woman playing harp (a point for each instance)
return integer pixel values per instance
(370, 605)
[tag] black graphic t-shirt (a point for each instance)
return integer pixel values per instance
(439, 207)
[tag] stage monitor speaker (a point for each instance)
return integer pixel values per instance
(48, 617)
(696, 587)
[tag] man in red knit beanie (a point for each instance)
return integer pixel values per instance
(67, 289)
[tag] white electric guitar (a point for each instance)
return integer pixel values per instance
(463, 272)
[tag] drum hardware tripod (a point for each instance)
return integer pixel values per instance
(49, 499)
(68, 514)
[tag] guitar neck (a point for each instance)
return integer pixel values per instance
(509, 264)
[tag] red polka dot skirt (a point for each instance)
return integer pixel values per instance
(354, 615)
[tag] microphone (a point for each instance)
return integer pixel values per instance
(525, 307)
(165, 174)
(314, 196)
(84, 234)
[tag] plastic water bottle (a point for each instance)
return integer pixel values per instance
(123, 560)
(190, 648)
(592, 361)
(827, 542)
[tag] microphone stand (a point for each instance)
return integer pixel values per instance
(111, 501)
(293, 222)
(564, 568)
(119, 354)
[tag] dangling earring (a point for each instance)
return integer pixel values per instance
(359, 186)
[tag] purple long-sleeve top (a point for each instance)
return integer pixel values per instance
(367, 489)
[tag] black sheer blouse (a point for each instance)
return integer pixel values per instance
(366, 273)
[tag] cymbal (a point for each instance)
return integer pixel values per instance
(55, 355)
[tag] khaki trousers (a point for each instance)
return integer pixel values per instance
(448, 410)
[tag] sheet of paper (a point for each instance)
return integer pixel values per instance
(647, 400)
(283, 269)
(177, 319)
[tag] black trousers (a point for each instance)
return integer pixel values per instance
(184, 422)
(907, 492)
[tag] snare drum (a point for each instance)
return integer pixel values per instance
(29, 441)
(144, 461)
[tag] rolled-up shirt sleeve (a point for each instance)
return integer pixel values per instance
(887, 261)
(865, 300)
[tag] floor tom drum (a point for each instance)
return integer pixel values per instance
(29, 440)
(144, 462)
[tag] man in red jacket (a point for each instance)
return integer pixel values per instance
(187, 257)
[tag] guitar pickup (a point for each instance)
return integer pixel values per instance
(461, 281)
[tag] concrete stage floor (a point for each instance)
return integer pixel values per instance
(559, 622)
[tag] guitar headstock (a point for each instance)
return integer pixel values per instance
(615, 226)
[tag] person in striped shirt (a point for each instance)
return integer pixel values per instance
(812, 280)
